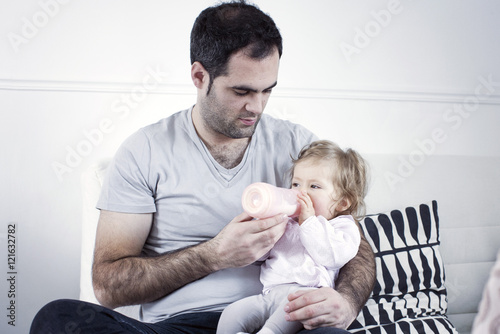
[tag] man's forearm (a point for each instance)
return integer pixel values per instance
(136, 280)
(121, 277)
(357, 278)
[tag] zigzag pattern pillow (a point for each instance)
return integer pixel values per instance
(409, 294)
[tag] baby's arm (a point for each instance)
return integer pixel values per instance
(331, 243)
(306, 207)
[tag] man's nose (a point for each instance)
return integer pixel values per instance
(256, 103)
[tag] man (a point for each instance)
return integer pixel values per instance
(164, 240)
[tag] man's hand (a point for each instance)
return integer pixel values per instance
(243, 241)
(322, 307)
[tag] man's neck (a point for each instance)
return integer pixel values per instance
(228, 155)
(228, 152)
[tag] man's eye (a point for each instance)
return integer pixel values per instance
(241, 92)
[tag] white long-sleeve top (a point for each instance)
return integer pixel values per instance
(311, 254)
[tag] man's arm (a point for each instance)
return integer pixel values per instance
(121, 276)
(337, 308)
(357, 278)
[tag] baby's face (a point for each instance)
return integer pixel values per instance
(316, 178)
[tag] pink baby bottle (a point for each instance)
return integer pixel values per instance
(263, 200)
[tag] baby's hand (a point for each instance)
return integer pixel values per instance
(306, 207)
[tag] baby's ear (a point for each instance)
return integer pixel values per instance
(343, 205)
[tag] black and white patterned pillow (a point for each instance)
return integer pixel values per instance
(409, 294)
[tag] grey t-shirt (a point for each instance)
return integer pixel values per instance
(166, 169)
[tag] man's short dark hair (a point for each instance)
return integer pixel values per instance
(222, 30)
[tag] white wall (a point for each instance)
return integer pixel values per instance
(380, 76)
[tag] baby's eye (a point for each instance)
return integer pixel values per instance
(295, 185)
(315, 186)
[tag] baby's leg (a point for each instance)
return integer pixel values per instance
(246, 315)
(276, 324)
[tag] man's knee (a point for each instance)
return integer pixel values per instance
(63, 316)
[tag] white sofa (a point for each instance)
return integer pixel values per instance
(464, 188)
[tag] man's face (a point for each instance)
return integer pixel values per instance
(235, 103)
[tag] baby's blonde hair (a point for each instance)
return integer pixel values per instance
(350, 173)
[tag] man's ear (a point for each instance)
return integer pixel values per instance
(199, 75)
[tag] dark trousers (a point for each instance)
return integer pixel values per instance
(77, 317)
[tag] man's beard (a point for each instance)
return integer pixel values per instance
(216, 119)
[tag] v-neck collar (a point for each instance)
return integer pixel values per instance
(224, 176)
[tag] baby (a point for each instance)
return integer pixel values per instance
(332, 184)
